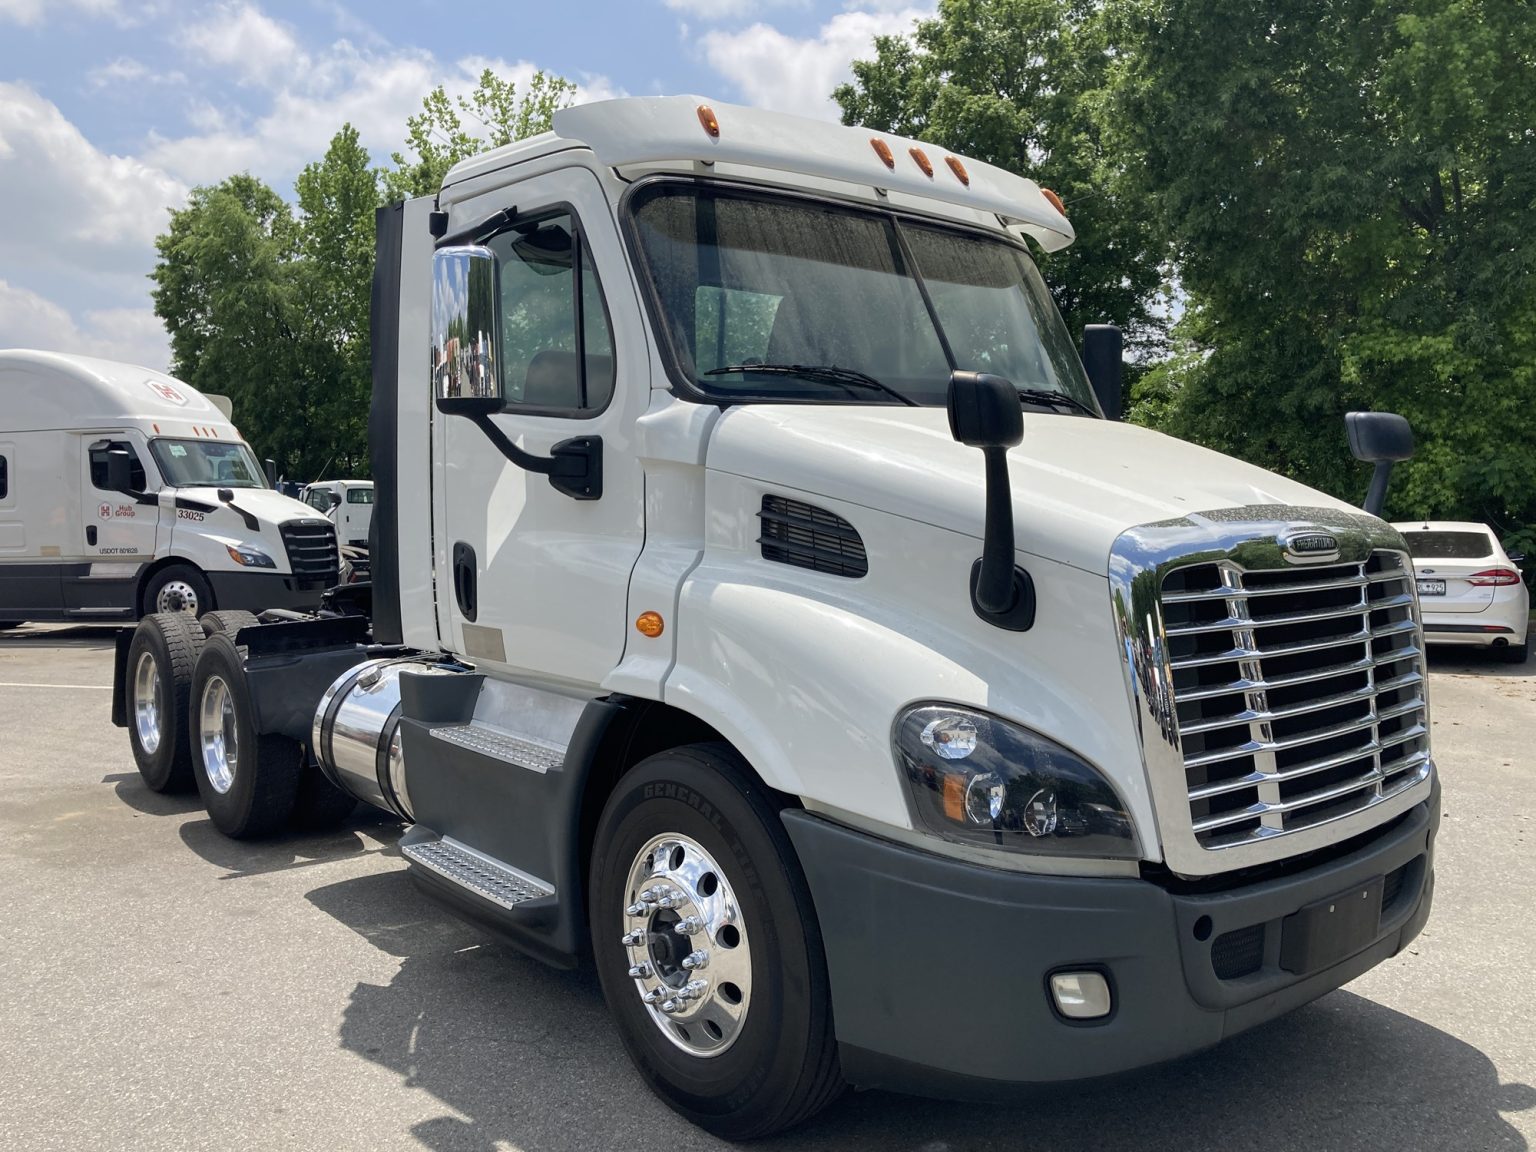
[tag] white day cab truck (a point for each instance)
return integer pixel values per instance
(125, 492)
(348, 504)
(768, 611)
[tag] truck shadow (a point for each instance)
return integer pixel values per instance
(91, 637)
(1454, 660)
(366, 831)
(520, 1055)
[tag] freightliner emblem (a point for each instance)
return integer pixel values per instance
(1310, 547)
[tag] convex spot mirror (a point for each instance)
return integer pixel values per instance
(1377, 436)
(465, 376)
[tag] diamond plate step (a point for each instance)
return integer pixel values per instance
(497, 882)
(534, 755)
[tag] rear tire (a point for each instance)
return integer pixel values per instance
(161, 658)
(248, 782)
(699, 812)
(177, 588)
(229, 621)
(1516, 653)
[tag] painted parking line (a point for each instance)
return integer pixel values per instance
(92, 687)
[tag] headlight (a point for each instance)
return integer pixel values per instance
(248, 556)
(976, 779)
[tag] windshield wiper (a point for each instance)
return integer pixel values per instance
(831, 373)
(1051, 396)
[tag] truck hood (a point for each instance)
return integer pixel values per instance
(268, 506)
(1077, 483)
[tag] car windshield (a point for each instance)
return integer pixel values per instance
(1449, 545)
(207, 464)
(801, 288)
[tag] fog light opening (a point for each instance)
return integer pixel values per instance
(1081, 995)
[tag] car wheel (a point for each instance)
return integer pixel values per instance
(248, 781)
(1516, 653)
(161, 659)
(707, 945)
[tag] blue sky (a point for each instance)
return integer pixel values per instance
(110, 110)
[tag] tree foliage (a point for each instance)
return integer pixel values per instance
(1021, 84)
(1349, 187)
(270, 306)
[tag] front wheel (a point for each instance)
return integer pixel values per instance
(707, 945)
(177, 588)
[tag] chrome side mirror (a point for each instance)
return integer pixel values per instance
(465, 375)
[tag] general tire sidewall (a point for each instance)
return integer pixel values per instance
(228, 810)
(676, 792)
(169, 767)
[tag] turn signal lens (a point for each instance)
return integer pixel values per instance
(959, 170)
(1055, 200)
(707, 118)
(883, 150)
(922, 161)
(650, 624)
(1494, 578)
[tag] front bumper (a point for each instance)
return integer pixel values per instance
(940, 969)
(257, 591)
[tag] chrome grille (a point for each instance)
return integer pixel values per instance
(1297, 692)
(312, 550)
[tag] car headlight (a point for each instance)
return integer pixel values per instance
(978, 779)
(249, 556)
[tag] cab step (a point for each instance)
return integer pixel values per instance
(524, 752)
(488, 878)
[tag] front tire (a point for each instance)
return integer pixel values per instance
(248, 781)
(177, 588)
(707, 945)
(1517, 653)
(161, 658)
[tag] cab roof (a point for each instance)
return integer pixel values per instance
(652, 132)
(51, 390)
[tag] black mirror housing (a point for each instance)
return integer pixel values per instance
(1378, 436)
(1104, 361)
(119, 470)
(984, 410)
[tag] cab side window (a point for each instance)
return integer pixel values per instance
(99, 464)
(556, 346)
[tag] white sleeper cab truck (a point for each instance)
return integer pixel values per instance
(769, 610)
(348, 504)
(125, 492)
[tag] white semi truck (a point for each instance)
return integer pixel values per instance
(769, 611)
(124, 492)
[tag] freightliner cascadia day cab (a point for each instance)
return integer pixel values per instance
(766, 612)
(125, 492)
(348, 504)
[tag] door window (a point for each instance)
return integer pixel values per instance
(556, 346)
(99, 452)
(359, 495)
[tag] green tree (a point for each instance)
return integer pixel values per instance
(1349, 186)
(1022, 84)
(437, 137)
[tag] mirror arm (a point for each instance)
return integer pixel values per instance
(1376, 496)
(993, 587)
(481, 232)
(574, 466)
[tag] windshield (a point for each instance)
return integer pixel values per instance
(207, 464)
(743, 279)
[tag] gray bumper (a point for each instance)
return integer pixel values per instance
(258, 591)
(940, 969)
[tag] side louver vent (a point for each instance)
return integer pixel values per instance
(810, 537)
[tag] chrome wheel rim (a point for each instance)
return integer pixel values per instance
(218, 738)
(687, 946)
(146, 703)
(177, 596)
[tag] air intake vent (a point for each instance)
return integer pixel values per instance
(810, 537)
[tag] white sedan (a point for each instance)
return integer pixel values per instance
(1470, 589)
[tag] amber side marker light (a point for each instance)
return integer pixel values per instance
(959, 170)
(883, 150)
(1055, 200)
(650, 624)
(707, 118)
(922, 161)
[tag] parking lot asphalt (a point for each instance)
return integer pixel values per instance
(162, 987)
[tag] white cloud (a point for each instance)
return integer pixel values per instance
(127, 70)
(729, 9)
(133, 335)
(789, 74)
(243, 38)
(31, 12)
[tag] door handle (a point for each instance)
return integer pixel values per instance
(90, 535)
(464, 579)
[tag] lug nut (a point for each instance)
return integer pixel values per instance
(671, 900)
(695, 960)
(640, 971)
(693, 990)
(653, 995)
(670, 1006)
(630, 939)
(637, 909)
(689, 926)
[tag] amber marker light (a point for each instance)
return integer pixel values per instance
(959, 170)
(711, 125)
(1055, 200)
(883, 150)
(650, 624)
(922, 161)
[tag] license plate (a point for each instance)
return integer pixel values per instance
(1331, 930)
(1431, 587)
